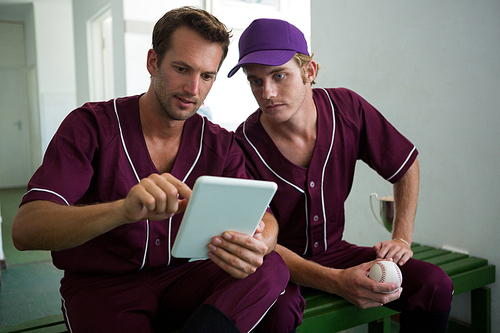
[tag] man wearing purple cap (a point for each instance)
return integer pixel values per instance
(109, 196)
(308, 141)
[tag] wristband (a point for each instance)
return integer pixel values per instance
(402, 240)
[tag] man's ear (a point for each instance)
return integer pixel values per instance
(152, 62)
(310, 71)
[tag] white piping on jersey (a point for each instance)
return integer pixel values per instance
(65, 312)
(283, 180)
(324, 169)
(48, 191)
(404, 163)
(138, 180)
(265, 163)
(123, 142)
(199, 151)
(184, 180)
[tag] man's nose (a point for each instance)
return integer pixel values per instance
(268, 90)
(192, 85)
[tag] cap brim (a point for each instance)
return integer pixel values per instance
(267, 57)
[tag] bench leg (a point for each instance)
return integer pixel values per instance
(383, 326)
(481, 310)
(480, 314)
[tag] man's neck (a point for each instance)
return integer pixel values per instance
(156, 124)
(162, 135)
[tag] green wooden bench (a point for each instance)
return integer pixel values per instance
(330, 313)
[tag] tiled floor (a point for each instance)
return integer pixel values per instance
(30, 284)
(28, 292)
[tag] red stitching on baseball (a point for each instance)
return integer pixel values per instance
(382, 267)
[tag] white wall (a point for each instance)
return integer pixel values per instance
(433, 69)
(56, 66)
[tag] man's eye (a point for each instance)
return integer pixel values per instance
(280, 76)
(208, 77)
(255, 82)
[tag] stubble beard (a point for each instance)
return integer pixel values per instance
(166, 101)
(168, 110)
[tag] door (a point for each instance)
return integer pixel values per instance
(15, 169)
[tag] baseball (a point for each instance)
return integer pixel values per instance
(386, 271)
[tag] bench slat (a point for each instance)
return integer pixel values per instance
(342, 318)
(446, 258)
(50, 324)
(421, 248)
(430, 254)
(474, 279)
(60, 328)
(463, 265)
(327, 303)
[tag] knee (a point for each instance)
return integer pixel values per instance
(286, 314)
(438, 288)
(443, 290)
(275, 269)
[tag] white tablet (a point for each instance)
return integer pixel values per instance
(220, 204)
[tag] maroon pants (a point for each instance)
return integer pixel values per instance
(162, 299)
(426, 287)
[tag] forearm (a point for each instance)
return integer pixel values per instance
(405, 199)
(43, 225)
(308, 273)
(270, 233)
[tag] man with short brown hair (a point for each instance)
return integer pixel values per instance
(109, 196)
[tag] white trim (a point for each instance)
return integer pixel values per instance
(285, 181)
(199, 151)
(123, 142)
(65, 312)
(138, 180)
(269, 308)
(307, 225)
(404, 163)
(267, 166)
(48, 191)
(324, 169)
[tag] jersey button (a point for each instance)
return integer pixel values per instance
(316, 244)
(316, 218)
(157, 242)
(312, 184)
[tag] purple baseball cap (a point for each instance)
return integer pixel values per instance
(269, 42)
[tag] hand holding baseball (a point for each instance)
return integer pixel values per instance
(386, 271)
